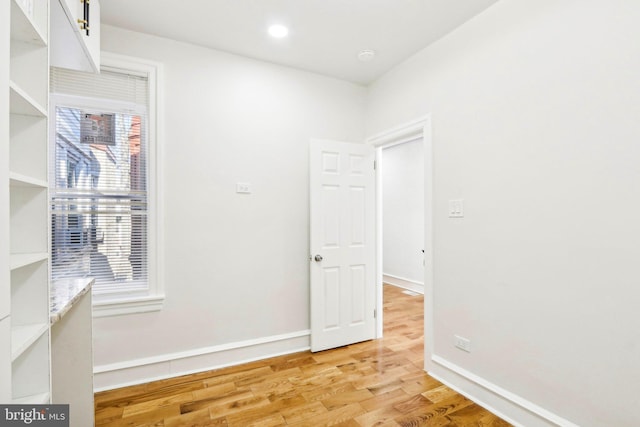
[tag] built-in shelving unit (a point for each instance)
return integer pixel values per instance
(28, 86)
(45, 344)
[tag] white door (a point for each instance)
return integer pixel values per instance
(343, 250)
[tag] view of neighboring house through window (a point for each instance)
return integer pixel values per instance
(99, 203)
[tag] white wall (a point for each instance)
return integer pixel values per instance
(403, 211)
(236, 265)
(535, 110)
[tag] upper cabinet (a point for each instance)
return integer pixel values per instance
(75, 34)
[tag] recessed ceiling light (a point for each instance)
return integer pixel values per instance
(278, 31)
(366, 55)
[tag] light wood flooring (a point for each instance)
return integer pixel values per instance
(375, 383)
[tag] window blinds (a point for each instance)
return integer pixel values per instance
(99, 188)
(113, 84)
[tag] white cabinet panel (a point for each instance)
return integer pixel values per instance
(72, 362)
(92, 40)
(71, 47)
(74, 9)
(4, 171)
(5, 360)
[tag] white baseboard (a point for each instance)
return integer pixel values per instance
(139, 371)
(507, 405)
(403, 283)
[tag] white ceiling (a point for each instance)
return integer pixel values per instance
(325, 36)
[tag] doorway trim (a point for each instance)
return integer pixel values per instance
(417, 128)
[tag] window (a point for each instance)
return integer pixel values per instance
(104, 189)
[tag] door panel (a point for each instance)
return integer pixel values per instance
(342, 222)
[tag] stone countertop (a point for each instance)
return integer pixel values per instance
(65, 293)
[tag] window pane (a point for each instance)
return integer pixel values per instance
(99, 202)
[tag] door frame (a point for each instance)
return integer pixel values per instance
(417, 128)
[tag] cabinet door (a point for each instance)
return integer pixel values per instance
(92, 41)
(71, 47)
(74, 9)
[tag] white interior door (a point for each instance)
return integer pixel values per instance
(343, 251)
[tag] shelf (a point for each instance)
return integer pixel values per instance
(28, 154)
(23, 27)
(19, 180)
(28, 220)
(30, 369)
(23, 336)
(36, 399)
(21, 103)
(23, 260)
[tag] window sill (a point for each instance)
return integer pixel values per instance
(130, 305)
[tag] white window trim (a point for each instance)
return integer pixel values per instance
(110, 303)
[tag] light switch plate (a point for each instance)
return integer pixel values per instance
(456, 208)
(243, 188)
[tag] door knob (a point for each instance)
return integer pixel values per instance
(318, 258)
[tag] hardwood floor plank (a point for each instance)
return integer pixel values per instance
(238, 405)
(380, 378)
(151, 405)
(375, 383)
(214, 391)
(152, 418)
(476, 416)
(273, 420)
(385, 399)
(236, 375)
(439, 393)
(151, 392)
(104, 416)
(379, 417)
(274, 409)
(433, 414)
(303, 413)
(191, 419)
(294, 362)
(273, 378)
(322, 393)
(413, 403)
(420, 383)
(349, 423)
(330, 418)
(386, 387)
(215, 401)
(341, 399)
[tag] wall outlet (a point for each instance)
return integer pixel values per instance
(243, 188)
(462, 343)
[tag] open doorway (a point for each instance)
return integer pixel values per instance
(402, 176)
(410, 131)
